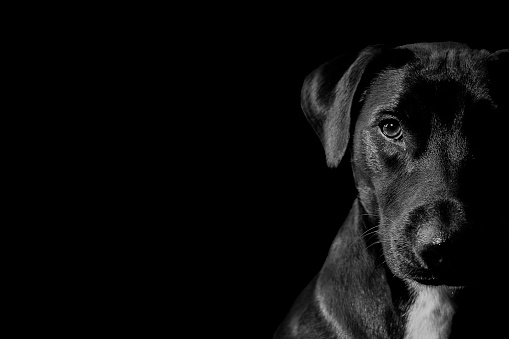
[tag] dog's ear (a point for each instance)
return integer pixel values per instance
(499, 62)
(502, 54)
(498, 66)
(326, 100)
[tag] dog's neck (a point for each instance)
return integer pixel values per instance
(352, 289)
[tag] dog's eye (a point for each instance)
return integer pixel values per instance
(391, 128)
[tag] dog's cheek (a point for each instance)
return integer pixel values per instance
(384, 166)
(371, 152)
(382, 163)
(367, 168)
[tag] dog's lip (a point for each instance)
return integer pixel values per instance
(433, 280)
(412, 270)
(424, 279)
(451, 288)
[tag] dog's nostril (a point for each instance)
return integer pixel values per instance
(433, 257)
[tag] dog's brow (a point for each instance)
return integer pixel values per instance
(384, 109)
(385, 92)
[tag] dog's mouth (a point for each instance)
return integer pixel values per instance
(437, 280)
(434, 269)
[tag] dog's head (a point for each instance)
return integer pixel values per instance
(427, 128)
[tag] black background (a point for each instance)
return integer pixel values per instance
(163, 180)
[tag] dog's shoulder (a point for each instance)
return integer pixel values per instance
(305, 319)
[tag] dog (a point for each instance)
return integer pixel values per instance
(423, 250)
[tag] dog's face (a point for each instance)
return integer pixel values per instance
(428, 155)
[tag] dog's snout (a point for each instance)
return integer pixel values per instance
(430, 246)
(444, 252)
(448, 261)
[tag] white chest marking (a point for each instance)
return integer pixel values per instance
(430, 316)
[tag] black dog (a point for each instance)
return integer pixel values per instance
(422, 253)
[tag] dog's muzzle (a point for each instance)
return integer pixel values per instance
(443, 245)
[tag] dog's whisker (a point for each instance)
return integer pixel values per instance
(370, 214)
(381, 256)
(366, 234)
(373, 227)
(369, 230)
(380, 264)
(370, 233)
(376, 242)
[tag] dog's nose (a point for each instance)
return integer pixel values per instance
(434, 256)
(445, 256)
(433, 248)
(448, 262)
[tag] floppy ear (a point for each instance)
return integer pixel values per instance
(326, 100)
(498, 75)
(499, 71)
(499, 65)
(502, 54)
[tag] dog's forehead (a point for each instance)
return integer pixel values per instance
(385, 91)
(432, 76)
(461, 65)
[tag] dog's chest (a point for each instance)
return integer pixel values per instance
(430, 316)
